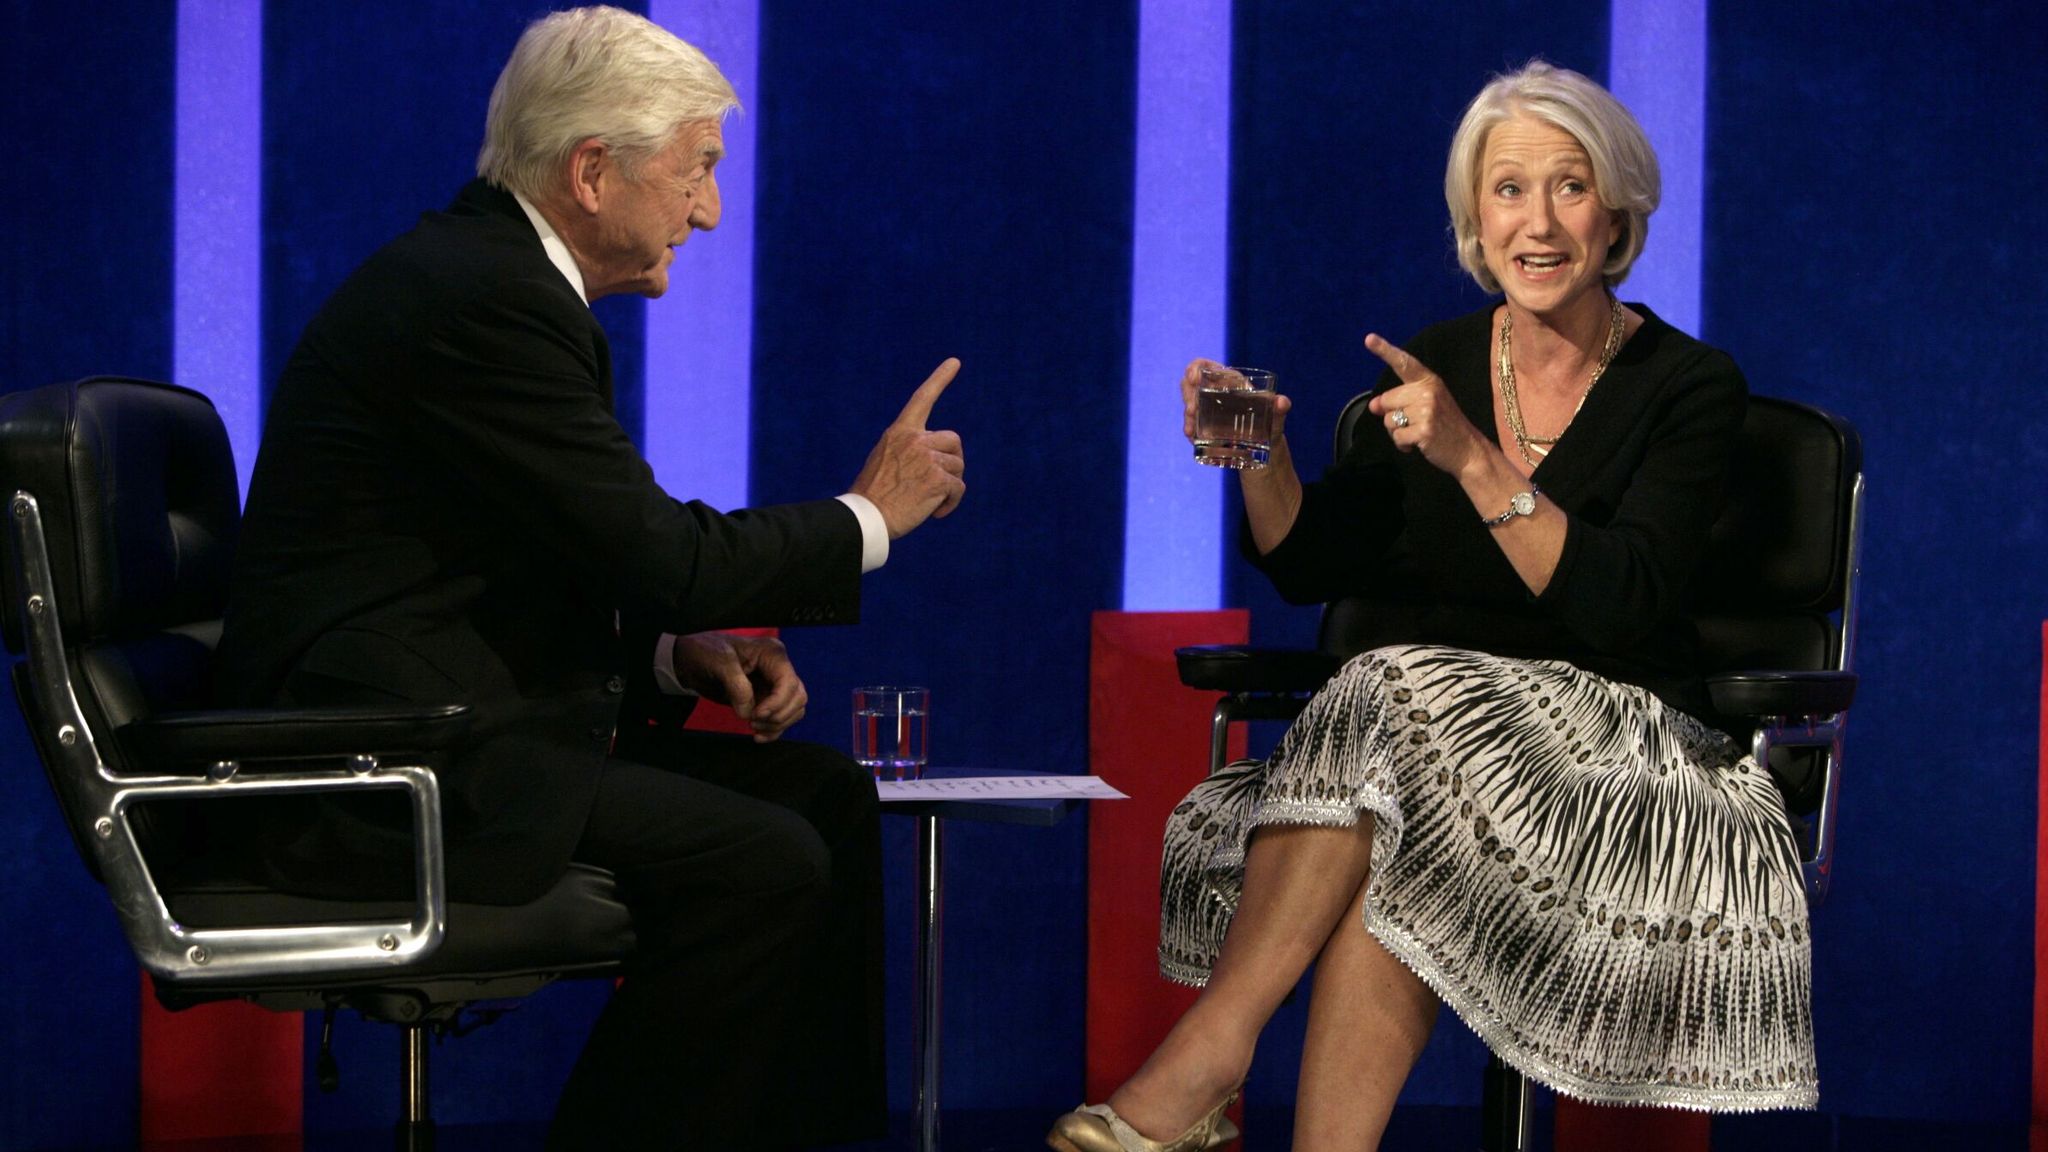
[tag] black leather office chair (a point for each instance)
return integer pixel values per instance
(123, 513)
(1776, 609)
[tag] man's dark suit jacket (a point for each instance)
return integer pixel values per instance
(445, 510)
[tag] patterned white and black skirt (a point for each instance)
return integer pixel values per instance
(1603, 888)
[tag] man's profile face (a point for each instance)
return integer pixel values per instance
(643, 220)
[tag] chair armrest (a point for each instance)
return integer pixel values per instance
(1766, 693)
(1238, 668)
(1257, 684)
(198, 738)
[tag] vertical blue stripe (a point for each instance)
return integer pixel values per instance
(1180, 270)
(1657, 65)
(700, 336)
(217, 286)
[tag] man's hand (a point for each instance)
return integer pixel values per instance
(752, 674)
(913, 474)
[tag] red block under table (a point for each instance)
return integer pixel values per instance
(2039, 1137)
(1148, 736)
(220, 1070)
(1597, 1128)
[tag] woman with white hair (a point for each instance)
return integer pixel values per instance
(1518, 802)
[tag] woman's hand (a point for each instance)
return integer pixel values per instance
(1190, 391)
(1420, 415)
(1272, 494)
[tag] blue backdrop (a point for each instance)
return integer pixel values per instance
(938, 179)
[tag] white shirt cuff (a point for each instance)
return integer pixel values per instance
(874, 532)
(665, 667)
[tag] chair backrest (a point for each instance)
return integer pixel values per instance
(1777, 588)
(133, 483)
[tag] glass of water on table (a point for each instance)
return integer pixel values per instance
(892, 730)
(1234, 417)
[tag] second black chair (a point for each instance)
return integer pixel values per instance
(123, 512)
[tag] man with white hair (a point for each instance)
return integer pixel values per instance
(446, 510)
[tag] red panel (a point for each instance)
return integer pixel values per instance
(1149, 737)
(2041, 918)
(220, 1070)
(1594, 1128)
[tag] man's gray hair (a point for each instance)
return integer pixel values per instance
(1625, 172)
(593, 73)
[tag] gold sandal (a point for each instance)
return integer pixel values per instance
(1097, 1128)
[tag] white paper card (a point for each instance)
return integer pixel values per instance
(999, 788)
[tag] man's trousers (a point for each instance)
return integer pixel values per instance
(750, 1016)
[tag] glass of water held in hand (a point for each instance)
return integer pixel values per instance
(1234, 417)
(891, 730)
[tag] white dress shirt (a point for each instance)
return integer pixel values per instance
(874, 531)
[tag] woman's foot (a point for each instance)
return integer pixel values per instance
(1181, 1082)
(1097, 1128)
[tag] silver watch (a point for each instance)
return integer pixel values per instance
(1520, 504)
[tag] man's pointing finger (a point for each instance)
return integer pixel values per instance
(919, 409)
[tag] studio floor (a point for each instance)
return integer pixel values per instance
(1415, 1129)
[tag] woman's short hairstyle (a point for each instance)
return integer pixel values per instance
(1624, 165)
(587, 73)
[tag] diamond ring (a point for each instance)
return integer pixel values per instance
(1400, 418)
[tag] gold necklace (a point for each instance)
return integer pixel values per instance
(1512, 403)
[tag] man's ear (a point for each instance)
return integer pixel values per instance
(591, 173)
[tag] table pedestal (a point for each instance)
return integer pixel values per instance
(931, 814)
(925, 1024)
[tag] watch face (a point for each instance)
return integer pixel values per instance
(1524, 503)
